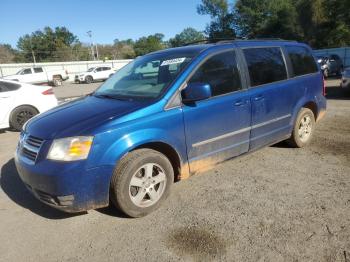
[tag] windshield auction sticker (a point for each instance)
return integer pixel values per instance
(173, 61)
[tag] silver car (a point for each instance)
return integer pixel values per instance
(345, 81)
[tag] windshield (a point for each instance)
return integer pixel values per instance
(146, 77)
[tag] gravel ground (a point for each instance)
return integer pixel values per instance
(277, 204)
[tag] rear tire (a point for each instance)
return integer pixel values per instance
(20, 115)
(88, 79)
(303, 129)
(57, 81)
(141, 182)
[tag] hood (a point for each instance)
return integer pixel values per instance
(10, 77)
(79, 117)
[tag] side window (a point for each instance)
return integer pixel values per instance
(26, 71)
(98, 69)
(221, 72)
(38, 70)
(6, 87)
(107, 68)
(302, 60)
(265, 65)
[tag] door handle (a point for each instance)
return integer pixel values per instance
(258, 98)
(239, 103)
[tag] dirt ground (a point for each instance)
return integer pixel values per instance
(277, 204)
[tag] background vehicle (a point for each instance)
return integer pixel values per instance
(19, 102)
(39, 75)
(94, 73)
(330, 65)
(345, 81)
(167, 115)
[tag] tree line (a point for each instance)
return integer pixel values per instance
(320, 23)
(59, 44)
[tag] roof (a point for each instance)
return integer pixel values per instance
(196, 49)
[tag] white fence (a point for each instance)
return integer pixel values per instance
(342, 52)
(71, 67)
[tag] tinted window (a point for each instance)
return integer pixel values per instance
(265, 65)
(302, 61)
(38, 70)
(334, 57)
(221, 72)
(26, 71)
(106, 68)
(5, 86)
(98, 69)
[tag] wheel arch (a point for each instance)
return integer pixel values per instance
(13, 109)
(166, 150)
(57, 75)
(313, 107)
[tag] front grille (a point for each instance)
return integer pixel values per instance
(30, 147)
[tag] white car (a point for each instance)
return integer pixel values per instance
(94, 73)
(20, 101)
(39, 75)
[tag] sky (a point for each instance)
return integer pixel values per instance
(107, 19)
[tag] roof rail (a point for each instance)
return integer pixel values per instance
(211, 41)
(229, 40)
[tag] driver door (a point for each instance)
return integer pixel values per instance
(218, 128)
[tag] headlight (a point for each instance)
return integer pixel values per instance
(70, 148)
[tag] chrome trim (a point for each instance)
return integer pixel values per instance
(271, 121)
(222, 137)
(210, 140)
(30, 147)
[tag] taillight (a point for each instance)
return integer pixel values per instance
(48, 92)
(324, 87)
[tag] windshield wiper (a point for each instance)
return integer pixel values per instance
(111, 97)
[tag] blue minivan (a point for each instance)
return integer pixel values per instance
(168, 115)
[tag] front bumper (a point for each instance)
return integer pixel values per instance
(70, 187)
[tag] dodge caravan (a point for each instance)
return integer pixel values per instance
(168, 115)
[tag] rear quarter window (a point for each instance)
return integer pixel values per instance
(6, 87)
(265, 65)
(302, 60)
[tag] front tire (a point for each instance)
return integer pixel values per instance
(20, 115)
(88, 79)
(303, 129)
(141, 182)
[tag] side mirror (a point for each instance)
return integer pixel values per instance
(196, 92)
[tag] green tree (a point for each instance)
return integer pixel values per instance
(222, 16)
(145, 45)
(321, 23)
(48, 44)
(188, 35)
